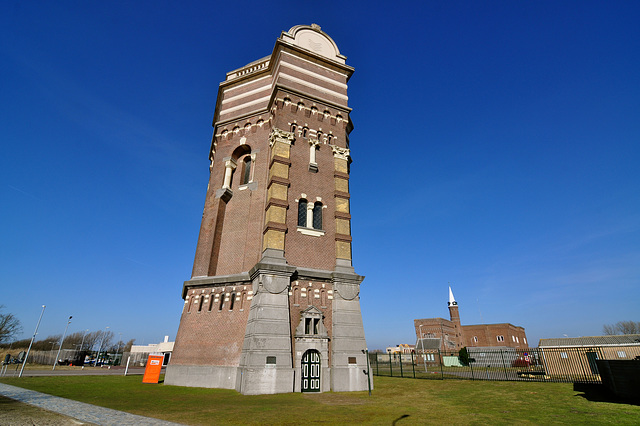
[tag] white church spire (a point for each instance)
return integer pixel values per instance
(452, 300)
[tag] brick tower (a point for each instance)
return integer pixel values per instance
(273, 301)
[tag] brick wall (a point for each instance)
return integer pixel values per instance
(210, 335)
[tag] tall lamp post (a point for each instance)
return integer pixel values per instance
(422, 341)
(104, 336)
(32, 338)
(61, 342)
(119, 342)
(83, 336)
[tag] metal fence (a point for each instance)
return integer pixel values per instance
(566, 365)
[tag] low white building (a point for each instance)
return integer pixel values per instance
(139, 353)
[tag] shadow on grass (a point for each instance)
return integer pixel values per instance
(596, 392)
(404, 416)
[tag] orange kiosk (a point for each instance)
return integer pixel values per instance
(152, 371)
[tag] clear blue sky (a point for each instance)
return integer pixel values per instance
(496, 147)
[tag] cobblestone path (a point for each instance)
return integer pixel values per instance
(78, 410)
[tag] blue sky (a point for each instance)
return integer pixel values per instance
(496, 148)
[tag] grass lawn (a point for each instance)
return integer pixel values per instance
(408, 401)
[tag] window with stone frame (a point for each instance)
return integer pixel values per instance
(317, 215)
(311, 323)
(302, 212)
(246, 170)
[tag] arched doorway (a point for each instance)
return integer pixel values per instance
(310, 371)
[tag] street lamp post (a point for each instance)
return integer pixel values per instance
(100, 347)
(83, 336)
(422, 341)
(32, 338)
(119, 342)
(61, 342)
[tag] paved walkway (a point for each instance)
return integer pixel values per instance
(79, 410)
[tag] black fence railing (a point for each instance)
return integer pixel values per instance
(567, 365)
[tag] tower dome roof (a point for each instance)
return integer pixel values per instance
(312, 38)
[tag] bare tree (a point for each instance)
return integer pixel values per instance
(9, 326)
(92, 339)
(73, 340)
(127, 346)
(622, 327)
(47, 344)
(105, 340)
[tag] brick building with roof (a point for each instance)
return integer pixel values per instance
(451, 336)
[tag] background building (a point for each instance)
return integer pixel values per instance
(450, 335)
(273, 301)
(576, 356)
(139, 354)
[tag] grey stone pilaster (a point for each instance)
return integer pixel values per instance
(266, 364)
(348, 340)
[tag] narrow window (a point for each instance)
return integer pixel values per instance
(211, 302)
(305, 131)
(246, 170)
(329, 138)
(302, 212)
(296, 296)
(475, 339)
(316, 326)
(293, 128)
(307, 326)
(201, 302)
(323, 298)
(232, 301)
(242, 296)
(221, 301)
(317, 215)
(190, 303)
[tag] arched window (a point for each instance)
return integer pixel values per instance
(296, 296)
(317, 215)
(211, 301)
(305, 132)
(329, 138)
(221, 301)
(293, 128)
(201, 302)
(232, 301)
(246, 170)
(302, 212)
